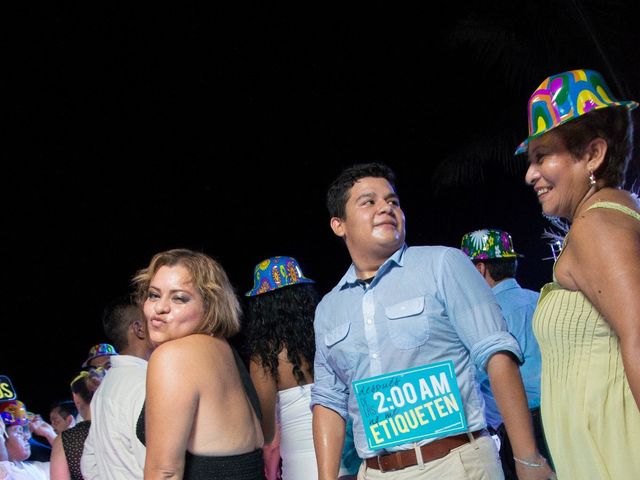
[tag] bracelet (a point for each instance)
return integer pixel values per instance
(531, 464)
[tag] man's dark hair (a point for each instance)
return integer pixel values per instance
(338, 192)
(117, 317)
(501, 268)
(65, 408)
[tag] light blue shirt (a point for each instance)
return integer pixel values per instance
(518, 305)
(425, 305)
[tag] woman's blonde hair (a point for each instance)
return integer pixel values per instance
(221, 316)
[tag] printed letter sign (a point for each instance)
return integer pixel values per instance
(410, 405)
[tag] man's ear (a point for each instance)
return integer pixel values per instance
(481, 267)
(70, 421)
(139, 329)
(337, 225)
(596, 151)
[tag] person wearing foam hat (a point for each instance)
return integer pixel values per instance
(279, 333)
(492, 253)
(14, 445)
(587, 320)
(99, 356)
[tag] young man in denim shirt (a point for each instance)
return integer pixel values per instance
(399, 307)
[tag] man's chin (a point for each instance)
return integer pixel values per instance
(26, 456)
(390, 245)
(388, 234)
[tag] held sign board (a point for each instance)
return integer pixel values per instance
(7, 392)
(410, 405)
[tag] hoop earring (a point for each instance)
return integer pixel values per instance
(592, 179)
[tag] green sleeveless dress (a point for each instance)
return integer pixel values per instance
(591, 420)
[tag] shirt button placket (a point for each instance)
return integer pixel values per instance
(370, 332)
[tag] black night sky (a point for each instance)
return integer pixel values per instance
(131, 130)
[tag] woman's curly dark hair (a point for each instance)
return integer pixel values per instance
(283, 318)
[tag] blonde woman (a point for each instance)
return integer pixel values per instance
(200, 422)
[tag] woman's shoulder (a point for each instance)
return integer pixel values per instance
(193, 340)
(613, 199)
(608, 207)
(186, 348)
(609, 218)
(193, 360)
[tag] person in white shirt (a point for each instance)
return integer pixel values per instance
(14, 445)
(112, 451)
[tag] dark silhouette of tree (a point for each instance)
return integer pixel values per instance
(506, 49)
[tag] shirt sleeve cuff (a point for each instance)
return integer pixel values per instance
(329, 401)
(498, 342)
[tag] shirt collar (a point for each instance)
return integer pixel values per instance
(506, 284)
(126, 360)
(350, 278)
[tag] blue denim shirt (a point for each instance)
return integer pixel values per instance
(517, 305)
(425, 305)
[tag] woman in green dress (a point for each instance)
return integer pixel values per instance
(587, 321)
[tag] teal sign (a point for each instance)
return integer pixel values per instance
(410, 405)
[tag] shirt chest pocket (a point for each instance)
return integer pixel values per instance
(408, 323)
(341, 350)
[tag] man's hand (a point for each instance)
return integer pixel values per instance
(42, 428)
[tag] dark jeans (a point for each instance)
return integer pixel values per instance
(506, 454)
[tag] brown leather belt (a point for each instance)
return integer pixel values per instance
(431, 451)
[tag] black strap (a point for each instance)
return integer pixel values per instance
(248, 384)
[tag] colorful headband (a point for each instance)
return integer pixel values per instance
(80, 376)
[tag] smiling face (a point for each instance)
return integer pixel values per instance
(373, 227)
(559, 179)
(173, 308)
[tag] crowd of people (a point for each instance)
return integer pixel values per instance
(422, 362)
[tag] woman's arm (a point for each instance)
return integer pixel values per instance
(171, 403)
(271, 457)
(508, 390)
(267, 391)
(59, 466)
(604, 259)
